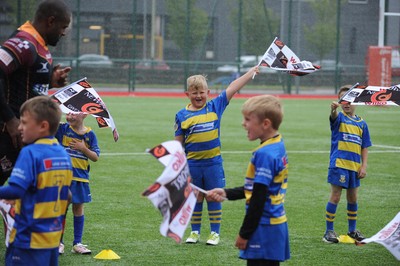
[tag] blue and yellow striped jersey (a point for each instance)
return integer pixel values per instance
(269, 166)
(43, 169)
(349, 136)
(80, 162)
(201, 131)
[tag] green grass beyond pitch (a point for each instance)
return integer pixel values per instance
(120, 219)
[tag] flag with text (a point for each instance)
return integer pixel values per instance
(172, 193)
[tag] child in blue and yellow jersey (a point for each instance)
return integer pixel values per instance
(80, 142)
(348, 164)
(263, 237)
(39, 183)
(197, 127)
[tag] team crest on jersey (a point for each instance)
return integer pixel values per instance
(44, 68)
(342, 179)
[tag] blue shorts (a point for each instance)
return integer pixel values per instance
(80, 192)
(343, 178)
(208, 177)
(268, 242)
(33, 257)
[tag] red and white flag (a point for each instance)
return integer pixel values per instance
(81, 97)
(372, 95)
(389, 237)
(172, 193)
(280, 57)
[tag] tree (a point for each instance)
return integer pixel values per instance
(260, 26)
(176, 27)
(321, 36)
(24, 12)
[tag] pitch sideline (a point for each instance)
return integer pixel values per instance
(387, 149)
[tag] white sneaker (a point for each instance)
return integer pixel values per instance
(81, 249)
(193, 238)
(213, 239)
(61, 249)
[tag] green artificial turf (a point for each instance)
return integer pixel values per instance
(120, 219)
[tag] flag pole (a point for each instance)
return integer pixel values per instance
(202, 190)
(347, 92)
(199, 189)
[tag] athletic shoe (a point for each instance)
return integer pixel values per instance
(193, 238)
(356, 235)
(213, 239)
(61, 249)
(81, 249)
(330, 237)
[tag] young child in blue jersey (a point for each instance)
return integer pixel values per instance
(81, 144)
(263, 237)
(39, 183)
(348, 164)
(197, 127)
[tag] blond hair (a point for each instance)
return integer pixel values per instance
(265, 107)
(197, 82)
(43, 108)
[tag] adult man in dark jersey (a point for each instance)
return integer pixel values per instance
(26, 71)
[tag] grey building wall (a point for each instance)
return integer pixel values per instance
(358, 26)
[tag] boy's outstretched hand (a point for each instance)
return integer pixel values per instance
(216, 194)
(334, 106)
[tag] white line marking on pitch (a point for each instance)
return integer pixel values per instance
(394, 150)
(387, 147)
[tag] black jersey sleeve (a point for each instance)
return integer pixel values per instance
(254, 211)
(235, 193)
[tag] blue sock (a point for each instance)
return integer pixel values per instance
(352, 216)
(214, 214)
(196, 217)
(330, 215)
(78, 228)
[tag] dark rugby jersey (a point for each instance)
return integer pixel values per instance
(27, 64)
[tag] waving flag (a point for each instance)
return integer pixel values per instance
(389, 237)
(80, 97)
(280, 57)
(372, 95)
(7, 211)
(172, 193)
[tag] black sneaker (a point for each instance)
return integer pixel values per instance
(356, 235)
(330, 237)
